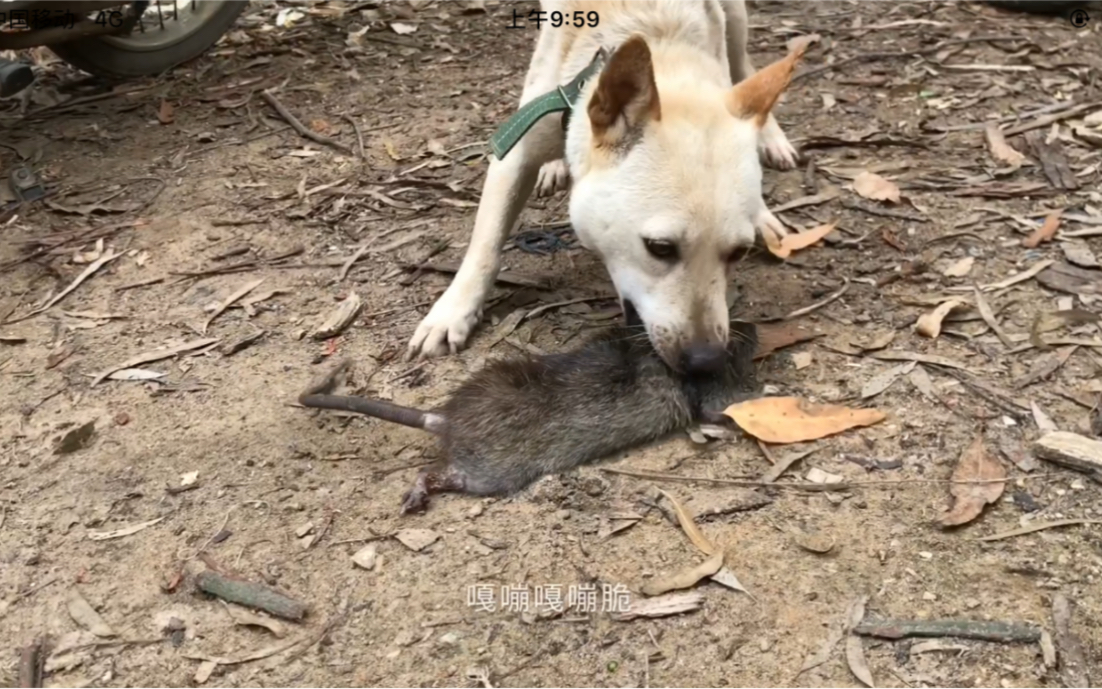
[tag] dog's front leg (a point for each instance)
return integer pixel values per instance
(447, 326)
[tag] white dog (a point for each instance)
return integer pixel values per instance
(662, 152)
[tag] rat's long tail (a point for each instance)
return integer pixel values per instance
(318, 396)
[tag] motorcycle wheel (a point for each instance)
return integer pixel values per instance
(1039, 6)
(162, 39)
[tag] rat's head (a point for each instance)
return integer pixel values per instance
(667, 189)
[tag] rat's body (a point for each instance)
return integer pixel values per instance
(517, 420)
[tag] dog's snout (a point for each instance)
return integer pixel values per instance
(704, 358)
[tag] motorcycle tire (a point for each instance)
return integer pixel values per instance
(1053, 7)
(114, 57)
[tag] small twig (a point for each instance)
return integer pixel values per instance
(1033, 528)
(807, 486)
(225, 523)
(251, 594)
(1046, 120)
(31, 663)
(140, 283)
(350, 262)
(870, 57)
(980, 630)
(359, 136)
(300, 127)
(34, 589)
(818, 305)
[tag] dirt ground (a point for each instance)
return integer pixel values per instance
(203, 189)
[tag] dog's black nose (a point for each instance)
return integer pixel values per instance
(704, 358)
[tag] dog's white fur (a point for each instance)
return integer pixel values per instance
(691, 176)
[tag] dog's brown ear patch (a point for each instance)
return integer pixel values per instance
(626, 93)
(755, 96)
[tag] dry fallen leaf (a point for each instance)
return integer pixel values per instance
(975, 464)
(885, 379)
(873, 186)
(784, 420)
(801, 360)
(689, 526)
(1000, 150)
(855, 650)
(929, 323)
(417, 539)
(85, 616)
(960, 268)
(774, 336)
(1045, 232)
(685, 578)
(165, 113)
(367, 556)
(796, 242)
(250, 619)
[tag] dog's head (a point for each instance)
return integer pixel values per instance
(667, 189)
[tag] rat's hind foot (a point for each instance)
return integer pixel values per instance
(430, 481)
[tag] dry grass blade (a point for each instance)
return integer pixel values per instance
(988, 317)
(689, 526)
(88, 272)
(228, 303)
(1037, 526)
(1020, 277)
(1045, 232)
(155, 355)
(969, 499)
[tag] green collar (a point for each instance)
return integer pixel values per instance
(562, 99)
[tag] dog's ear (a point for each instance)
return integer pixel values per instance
(754, 97)
(626, 95)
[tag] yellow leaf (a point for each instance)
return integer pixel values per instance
(795, 242)
(929, 324)
(784, 420)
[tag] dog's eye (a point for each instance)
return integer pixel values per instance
(661, 249)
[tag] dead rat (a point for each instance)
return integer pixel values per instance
(519, 419)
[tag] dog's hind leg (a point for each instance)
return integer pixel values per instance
(509, 183)
(774, 145)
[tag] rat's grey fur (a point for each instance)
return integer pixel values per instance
(519, 419)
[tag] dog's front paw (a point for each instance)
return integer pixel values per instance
(771, 229)
(776, 150)
(553, 177)
(445, 329)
